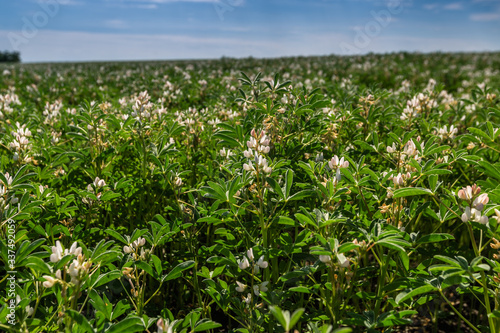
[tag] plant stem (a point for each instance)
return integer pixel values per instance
(458, 313)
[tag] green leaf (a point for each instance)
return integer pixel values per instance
(343, 330)
(129, 325)
(145, 267)
(304, 220)
(403, 296)
(157, 264)
(276, 187)
(117, 236)
(177, 271)
(300, 289)
(288, 183)
(295, 317)
(107, 277)
(279, 315)
(410, 191)
(346, 247)
(205, 324)
(37, 264)
(479, 133)
(80, 320)
(286, 221)
(489, 169)
(433, 238)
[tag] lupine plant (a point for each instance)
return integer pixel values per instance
(321, 194)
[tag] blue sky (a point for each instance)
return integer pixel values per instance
(87, 30)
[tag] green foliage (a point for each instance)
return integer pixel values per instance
(330, 194)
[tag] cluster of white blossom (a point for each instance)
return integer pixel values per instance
(249, 261)
(52, 111)
(258, 145)
(417, 105)
(6, 103)
(77, 270)
(476, 201)
(20, 143)
(445, 133)
(336, 164)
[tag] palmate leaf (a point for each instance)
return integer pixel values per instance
(230, 135)
(223, 191)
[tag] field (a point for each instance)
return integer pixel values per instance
(312, 194)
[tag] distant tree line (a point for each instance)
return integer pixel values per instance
(7, 56)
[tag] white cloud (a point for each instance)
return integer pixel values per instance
(454, 6)
(170, 1)
(69, 2)
(485, 17)
(431, 6)
(116, 24)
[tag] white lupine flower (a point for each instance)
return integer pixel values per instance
(259, 143)
(262, 163)
(250, 254)
(391, 149)
(325, 258)
(248, 167)
(243, 263)
(260, 287)
(99, 182)
(474, 215)
(410, 149)
(248, 153)
(497, 215)
(164, 326)
(74, 249)
(343, 261)
(467, 193)
(241, 287)
(480, 201)
(262, 263)
(178, 182)
(466, 215)
(58, 253)
(335, 163)
(78, 269)
(9, 179)
(248, 299)
(49, 281)
(225, 153)
(135, 245)
(252, 143)
(398, 180)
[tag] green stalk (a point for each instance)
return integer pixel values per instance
(380, 286)
(483, 280)
(459, 314)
